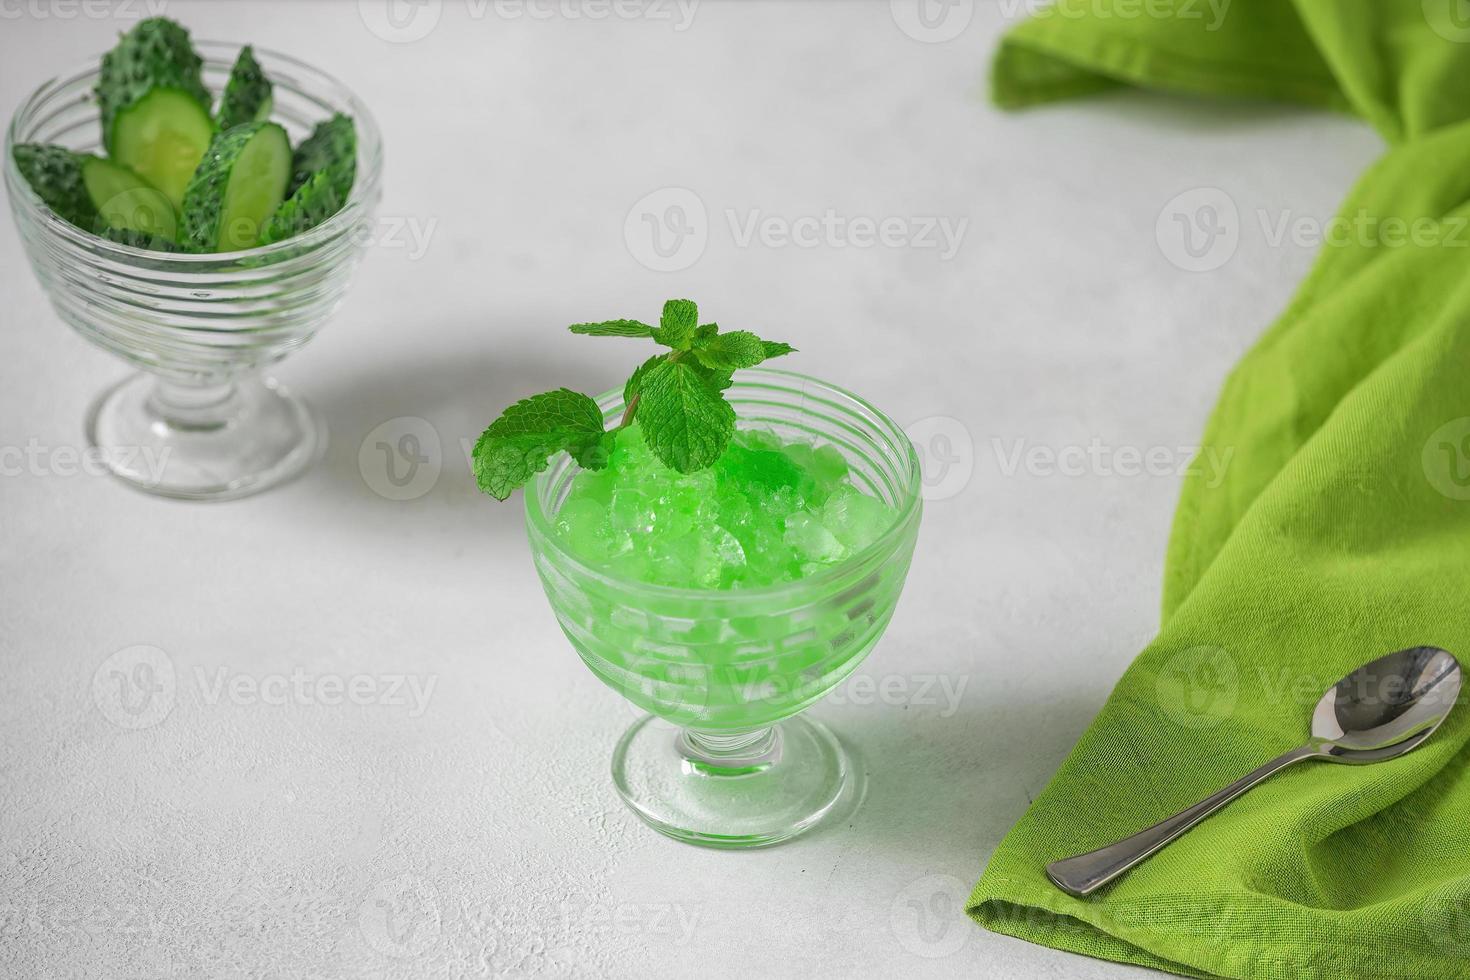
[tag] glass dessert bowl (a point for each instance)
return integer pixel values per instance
(722, 759)
(199, 420)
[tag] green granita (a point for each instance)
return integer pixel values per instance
(767, 511)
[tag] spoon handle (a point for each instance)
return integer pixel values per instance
(1086, 873)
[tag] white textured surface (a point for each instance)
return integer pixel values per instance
(235, 837)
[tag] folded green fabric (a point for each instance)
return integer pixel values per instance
(1340, 532)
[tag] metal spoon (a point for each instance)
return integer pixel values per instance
(1379, 711)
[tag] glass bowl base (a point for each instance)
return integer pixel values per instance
(782, 782)
(212, 443)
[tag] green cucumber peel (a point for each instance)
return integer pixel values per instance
(332, 147)
(247, 95)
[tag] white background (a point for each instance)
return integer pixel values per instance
(477, 832)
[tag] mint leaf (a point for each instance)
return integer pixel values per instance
(775, 348)
(630, 390)
(730, 351)
(705, 331)
(685, 420)
(677, 326)
(594, 455)
(613, 328)
(719, 380)
(519, 444)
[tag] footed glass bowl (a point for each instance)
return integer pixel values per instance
(722, 759)
(199, 421)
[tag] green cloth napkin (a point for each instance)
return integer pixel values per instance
(1340, 532)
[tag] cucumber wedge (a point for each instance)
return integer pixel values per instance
(156, 53)
(240, 183)
(155, 108)
(332, 147)
(247, 95)
(55, 174)
(127, 203)
(314, 202)
(163, 136)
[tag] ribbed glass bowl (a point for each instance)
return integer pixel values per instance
(199, 421)
(731, 668)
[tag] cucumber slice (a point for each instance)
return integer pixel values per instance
(127, 203)
(238, 186)
(163, 136)
(55, 174)
(247, 95)
(332, 147)
(155, 54)
(314, 202)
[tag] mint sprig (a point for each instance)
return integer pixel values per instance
(676, 397)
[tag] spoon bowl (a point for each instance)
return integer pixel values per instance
(1387, 707)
